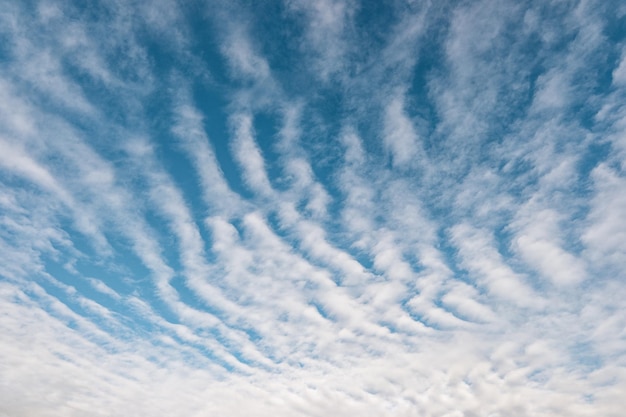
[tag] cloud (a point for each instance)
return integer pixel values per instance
(328, 23)
(312, 208)
(619, 73)
(248, 155)
(480, 258)
(194, 141)
(400, 138)
(603, 237)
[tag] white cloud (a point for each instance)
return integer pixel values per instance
(477, 274)
(195, 142)
(538, 242)
(400, 137)
(606, 231)
(489, 270)
(249, 156)
(326, 38)
(619, 73)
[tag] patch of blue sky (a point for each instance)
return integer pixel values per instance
(421, 317)
(75, 295)
(191, 298)
(212, 103)
(81, 278)
(585, 355)
(177, 165)
(266, 129)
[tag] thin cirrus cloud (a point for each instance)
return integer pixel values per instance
(312, 209)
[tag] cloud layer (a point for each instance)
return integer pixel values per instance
(312, 208)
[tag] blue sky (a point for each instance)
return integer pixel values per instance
(312, 208)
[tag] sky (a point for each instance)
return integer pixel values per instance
(312, 208)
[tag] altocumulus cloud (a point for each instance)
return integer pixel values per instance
(312, 208)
